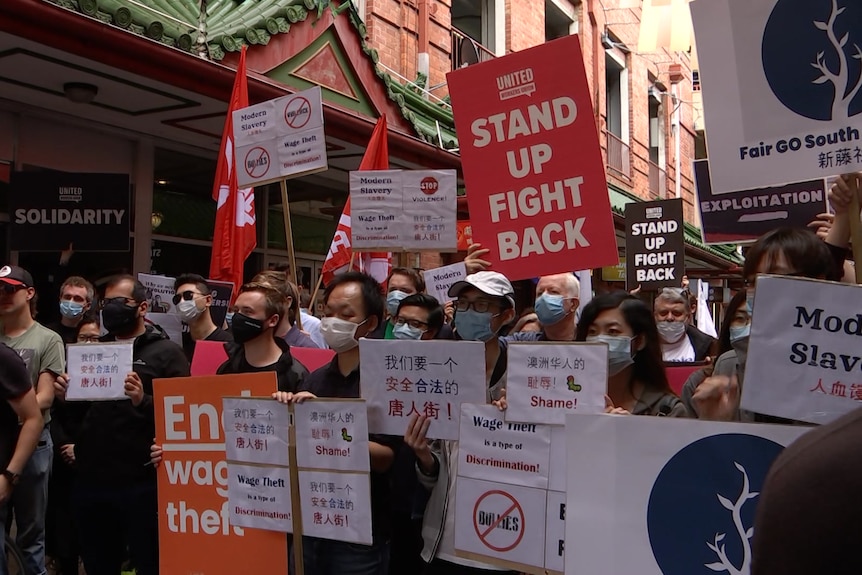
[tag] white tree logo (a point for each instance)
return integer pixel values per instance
(724, 564)
(845, 90)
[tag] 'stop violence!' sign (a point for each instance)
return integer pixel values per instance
(532, 162)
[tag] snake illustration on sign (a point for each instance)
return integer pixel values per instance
(297, 113)
(500, 525)
(256, 162)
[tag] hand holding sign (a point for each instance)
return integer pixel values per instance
(134, 388)
(717, 398)
(415, 438)
(474, 261)
(841, 192)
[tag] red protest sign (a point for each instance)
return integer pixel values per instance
(532, 163)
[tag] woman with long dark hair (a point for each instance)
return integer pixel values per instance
(637, 383)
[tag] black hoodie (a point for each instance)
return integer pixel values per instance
(290, 373)
(113, 445)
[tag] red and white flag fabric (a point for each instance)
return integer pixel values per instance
(235, 234)
(376, 264)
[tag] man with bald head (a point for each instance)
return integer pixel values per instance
(557, 300)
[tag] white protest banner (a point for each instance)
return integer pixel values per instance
(546, 381)
(780, 89)
(558, 469)
(555, 532)
(804, 354)
(439, 280)
(336, 506)
(407, 210)
(501, 524)
(680, 494)
(491, 449)
(160, 309)
(332, 435)
(256, 430)
(280, 138)
(260, 497)
(97, 372)
(431, 378)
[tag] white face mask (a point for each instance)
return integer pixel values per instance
(339, 334)
(188, 311)
(671, 331)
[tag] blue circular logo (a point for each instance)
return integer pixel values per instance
(812, 57)
(701, 508)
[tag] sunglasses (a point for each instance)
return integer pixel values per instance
(187, 295)
(10, 289)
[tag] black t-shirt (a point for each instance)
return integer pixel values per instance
(189, 344)
(328, 381)
(14, 382)
(66, 333)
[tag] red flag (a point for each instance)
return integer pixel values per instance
(376, 264)
(235, 235)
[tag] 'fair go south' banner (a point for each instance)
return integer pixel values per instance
(548, 210)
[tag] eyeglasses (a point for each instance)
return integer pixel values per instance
(414, 323)
(10, 289)
(120, 299)
(480, 305)
(88, 339)
(187, 295)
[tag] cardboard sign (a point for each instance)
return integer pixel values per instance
(655, 244)
(465, 235)
(259, 497)
(97, 372)
(804, 355)
(222, 293)
(280, 138)
(439, 280)
(50, 210)
(548, 210)
(431, 378)
(547, 381)
(780, 90)
(332, 434)
(408, 210)
(681, 494)
(195, 531)
(256, 430)
(209, 355)
(615, 273)
(160, 308)
(742, 217)
(336, 506)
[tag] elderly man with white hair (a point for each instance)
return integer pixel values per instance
(557, 300)
(680, 340)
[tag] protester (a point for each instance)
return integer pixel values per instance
(287, 328)
(353, 307)
(20, 427)
(637, 383)
(310, 322)
(401, 283)
(784, 251)
(42, 351)
(838, 235)
(114, 502)
(418, 316)
(193, 302)
(76, 299)
(484, 305)
(557, 301)
(680, 340)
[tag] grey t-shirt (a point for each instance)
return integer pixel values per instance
(41, 349)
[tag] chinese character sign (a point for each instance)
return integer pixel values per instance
(98, 372)
(804, 355)
(332, 435)
(430, 378)
(336, 506)
(545, 381)
(256, 430)
(259, 497)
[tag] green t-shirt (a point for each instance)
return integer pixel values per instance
(41, 349)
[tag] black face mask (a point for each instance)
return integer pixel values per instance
(119, 318)
(245, 328)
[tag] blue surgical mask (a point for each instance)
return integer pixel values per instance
(549, 309)
(620, 353)
(70, 309)
(474, 326)
(749, 301)
(737, 333)
(393, 298)
(405, 331)
(228, 318)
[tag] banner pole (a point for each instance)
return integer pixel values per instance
(856, 234)
(295, 499)
(316, 289)
(288, 232)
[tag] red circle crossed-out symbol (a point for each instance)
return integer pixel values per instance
(511, 505)
(297, 113)
(256, 162)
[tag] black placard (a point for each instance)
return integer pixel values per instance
(655, 244)
(50, 210)
(744, 216)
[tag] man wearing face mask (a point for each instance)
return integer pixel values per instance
(680, 341)
(353, 307)
(114, 502)
(402, 282)
(259, 309)
(76, 299)
(557, 301)
(419, 316)
(192, 302)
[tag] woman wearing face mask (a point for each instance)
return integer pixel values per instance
(637, 383)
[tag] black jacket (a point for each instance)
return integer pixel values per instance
(701, 342)
(290, 373)
(113, 444)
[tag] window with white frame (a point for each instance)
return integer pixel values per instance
(616, 94)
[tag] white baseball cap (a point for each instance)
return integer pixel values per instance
(489, 283)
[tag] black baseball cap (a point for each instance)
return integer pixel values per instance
(13, 275)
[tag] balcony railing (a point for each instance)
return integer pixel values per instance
(619, 155)
(466, 50)
(657, 181)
